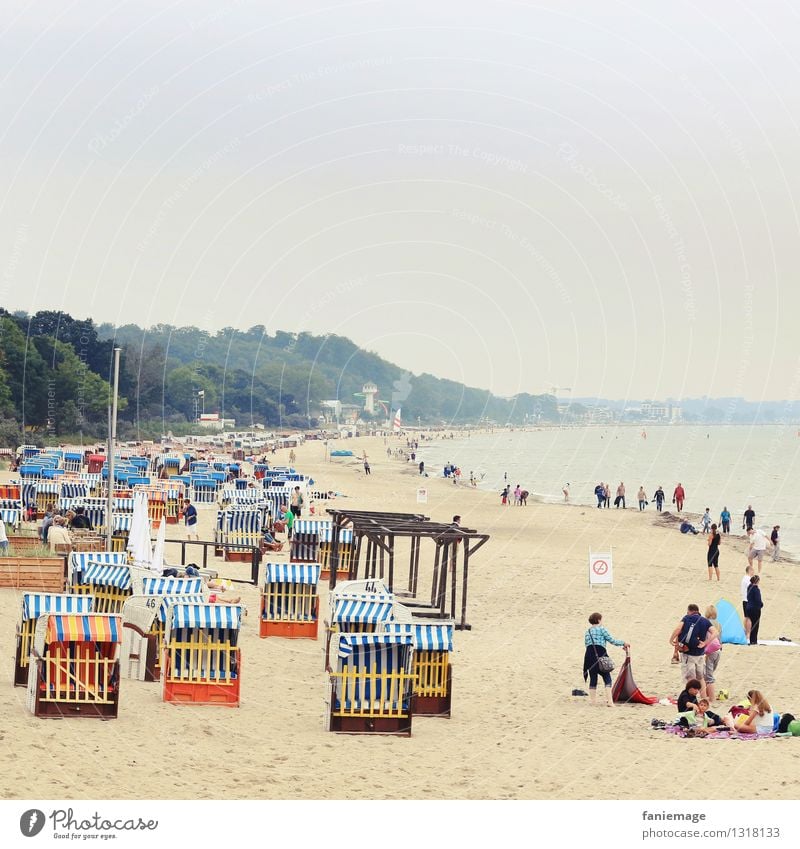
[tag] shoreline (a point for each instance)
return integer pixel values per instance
(529, 599)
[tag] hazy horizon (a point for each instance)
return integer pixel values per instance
(583, 195)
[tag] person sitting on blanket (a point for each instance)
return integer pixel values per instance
(759, 720)
(688, 698)
(707, 720)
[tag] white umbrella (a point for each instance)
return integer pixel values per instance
(139, 545)
(157, 563)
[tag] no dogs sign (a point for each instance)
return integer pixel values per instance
(600, 568)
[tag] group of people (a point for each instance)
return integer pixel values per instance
(602, 493)
(518, 494)
(697, 647)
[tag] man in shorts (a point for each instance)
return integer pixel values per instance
(693, 631)
(758, 546)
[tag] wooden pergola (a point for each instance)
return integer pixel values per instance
(375, 535)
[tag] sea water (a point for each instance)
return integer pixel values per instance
(721, 465)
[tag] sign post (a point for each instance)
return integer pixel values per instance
(601, 568)
(422, 496)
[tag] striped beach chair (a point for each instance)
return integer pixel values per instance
(80, 559)
(242, 527)
(11, 516)
(74, 490)
(304, 547)
(201, 661)
(35, 605)
(289, 601)
(109, 585)
(371, 685)
(74, 666)
(170, 586)
(433, 675)
(143, 626)
(73, 462)
(346, 551)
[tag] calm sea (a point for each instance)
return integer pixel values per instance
(718, 466)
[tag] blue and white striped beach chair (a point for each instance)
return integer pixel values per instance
(109, 585)
(289, 600)
(35, 605)
(371, 686)
(202, 660)
(433, 678)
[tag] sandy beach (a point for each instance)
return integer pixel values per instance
(515, 733)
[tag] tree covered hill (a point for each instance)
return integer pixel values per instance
(55, 372)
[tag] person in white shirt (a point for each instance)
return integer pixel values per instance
(3, 537)
(748, 573)
(758, 546)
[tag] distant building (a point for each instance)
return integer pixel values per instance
(331, 410)
(212, 421)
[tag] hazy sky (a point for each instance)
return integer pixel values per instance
(517, 195)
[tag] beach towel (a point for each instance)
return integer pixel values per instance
(678, 731)
(731, 623)
(625, 689)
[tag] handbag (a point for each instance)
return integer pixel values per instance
(684, 646)
(604, 662)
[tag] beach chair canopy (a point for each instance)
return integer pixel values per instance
(362, 612)
(87, 628)
(292, 573)
(371, 589)
(104, 575)
(172, 586)
(349, 643)
(166, 602)
(35, 605)
(228, 616)
(429, 636)
(78, 560)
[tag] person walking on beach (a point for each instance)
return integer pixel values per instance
(190, 519)
(748, 573)
(595, 640)
(712, 556)
(725, 520)
(758, 546)
(504, 496)
(755, 606)
(565, 490)
(690, 637)
(367, 470)
(620, 499)
(642, 496)
(658, 497)
(678, 497)
(607, 493)
(749, 518)
(775, 539)
(706, 520)
(422, 467)
(600, 495)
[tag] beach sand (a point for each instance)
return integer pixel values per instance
(515, 733)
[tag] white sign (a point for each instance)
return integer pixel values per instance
(422, 496)
(600, 568)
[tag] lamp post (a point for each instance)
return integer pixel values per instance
(112, 438)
